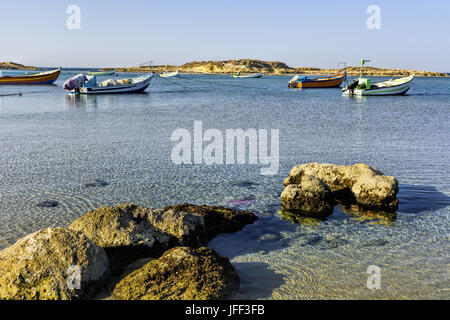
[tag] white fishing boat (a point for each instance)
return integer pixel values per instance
(364, 86)
(89, 85)
(169, 74)
(102, 72)
(253, 75)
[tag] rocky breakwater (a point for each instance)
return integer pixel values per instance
(152, 254)
(313, 189)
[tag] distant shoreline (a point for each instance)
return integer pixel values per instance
(228, 67)
(245, 66)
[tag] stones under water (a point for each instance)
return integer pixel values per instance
(96, 183)
(47, 204)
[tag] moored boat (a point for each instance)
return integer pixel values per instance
(169, 74)
(365, 87)
(47, 77)
(333, 81)
(253, 75)
(81, 84)
(102, 72)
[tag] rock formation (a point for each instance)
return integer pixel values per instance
(128, 232)
(309, 196)
(38, 266)
(181, 273)
(143, 253)
(360, 184)
(218, 219)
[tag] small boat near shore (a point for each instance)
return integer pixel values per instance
(47, 77)
(333, 81)
(82, 84)
(169, 74)
(365, 87)
(102, 72)
(253, 75)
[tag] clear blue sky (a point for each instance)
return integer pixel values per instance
(414, 34)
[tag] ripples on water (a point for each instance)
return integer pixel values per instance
(52, 145)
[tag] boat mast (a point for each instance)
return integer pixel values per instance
(362, 63)
(360, 69)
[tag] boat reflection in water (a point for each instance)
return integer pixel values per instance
(77, 100)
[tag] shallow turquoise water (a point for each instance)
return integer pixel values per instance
(52, 144)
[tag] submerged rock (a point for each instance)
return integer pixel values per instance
(360, 183)
(268, 237)
(128, 232)
(241, 202)
(218, 219)
(38, 266)
(374, 242)
(96, 183)
(47, 204)
(301, 218)
(181, 273)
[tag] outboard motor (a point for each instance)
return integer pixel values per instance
(351, 86)
(75, 82)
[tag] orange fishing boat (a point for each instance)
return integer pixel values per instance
(328, 82)
(47, 77)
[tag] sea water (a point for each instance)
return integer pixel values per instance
(54, 145)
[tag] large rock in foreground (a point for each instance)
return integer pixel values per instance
(218, 219)
(181, 273)
(128, 232)
(360, 183)
(39, 266)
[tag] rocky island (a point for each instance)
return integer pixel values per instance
(272, 68)
(15, 66)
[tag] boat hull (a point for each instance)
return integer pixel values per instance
(330, 82)
(256, 75)
(48, 77)
(102, 73)
(169, 74)
(127, 88)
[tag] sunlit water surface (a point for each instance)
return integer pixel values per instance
(52, 144)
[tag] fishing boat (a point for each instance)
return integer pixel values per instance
(47, 77)
(364, 86)
(102, 72)
(169, 74)
(81, 84)
(333, 81)
(253, 75)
